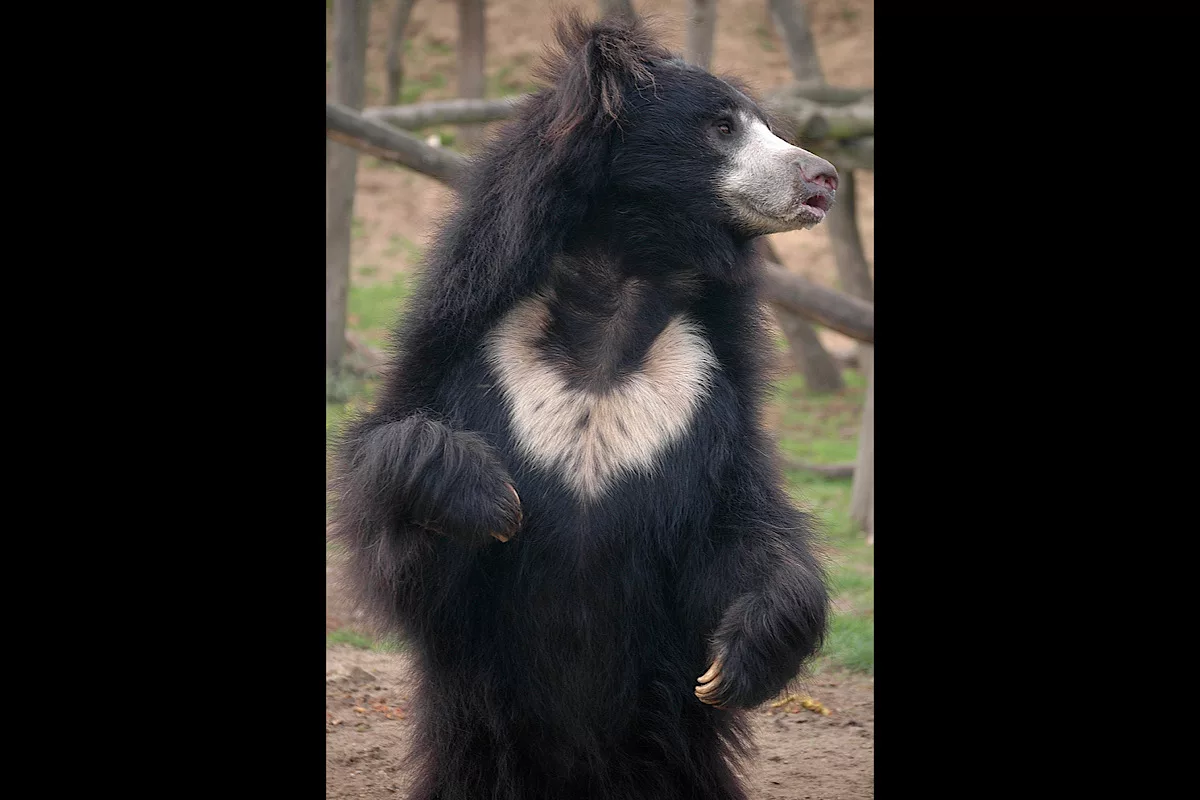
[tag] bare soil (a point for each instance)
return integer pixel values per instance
(803, 754)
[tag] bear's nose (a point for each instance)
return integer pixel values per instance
(815, 169)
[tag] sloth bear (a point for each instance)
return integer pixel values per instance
(563, 498)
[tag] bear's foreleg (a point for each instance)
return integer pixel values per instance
(419, 471)
(777, 609)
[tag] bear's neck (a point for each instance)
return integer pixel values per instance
(654, 239)
(602, 318)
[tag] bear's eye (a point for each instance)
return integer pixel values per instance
(724, 127)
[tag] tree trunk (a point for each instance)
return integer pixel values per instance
(623, 8)
(854, 274)
(791, 22)
(862, 492)
(701, 31)
(395, 52)
(871, 519)
(816, 303)
(822, 375)
(350, 128)
(472, 41)
(349, 68)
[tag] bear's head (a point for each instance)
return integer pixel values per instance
(678, 137)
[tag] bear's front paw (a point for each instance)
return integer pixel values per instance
(735, 679)
(490, 510)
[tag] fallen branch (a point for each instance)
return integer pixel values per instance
(821, 121)
(460, 111)
(833, 309)
(819, 92)
(345, 126)
(846, 153)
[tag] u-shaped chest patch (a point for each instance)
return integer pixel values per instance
(592, 438)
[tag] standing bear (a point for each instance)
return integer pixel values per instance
(563, 499)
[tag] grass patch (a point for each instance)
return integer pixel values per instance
(350, 637)
(851, 643)
(764, 38)
(372, 309)
(417, 86)
(362, 641)
(504, 81)
(398, 244)
(821, 429)
(438, 47)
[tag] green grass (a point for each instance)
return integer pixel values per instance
(415, 87)
(347, 636)
(362, 641)
(815, 429)
(504, 82)
(824, 430)
(398, 243)
(851, 644)
(765, 41)
(372, 308)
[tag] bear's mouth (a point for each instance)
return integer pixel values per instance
(819, 202)
(812, 209)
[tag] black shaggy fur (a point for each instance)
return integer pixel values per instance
(562, 663)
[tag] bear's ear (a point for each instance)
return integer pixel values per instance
(595, 66)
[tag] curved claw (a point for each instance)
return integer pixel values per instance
(709, 686)
(504, 537)
(713, 671)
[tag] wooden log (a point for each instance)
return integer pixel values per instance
(822, 374)
(347, 127)
(833, 309)
(444, 112)
(814, 121)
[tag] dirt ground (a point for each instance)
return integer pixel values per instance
(802, 754)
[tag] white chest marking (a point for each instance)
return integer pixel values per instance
(592, 438)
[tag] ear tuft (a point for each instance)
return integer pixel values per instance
(594, 66)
